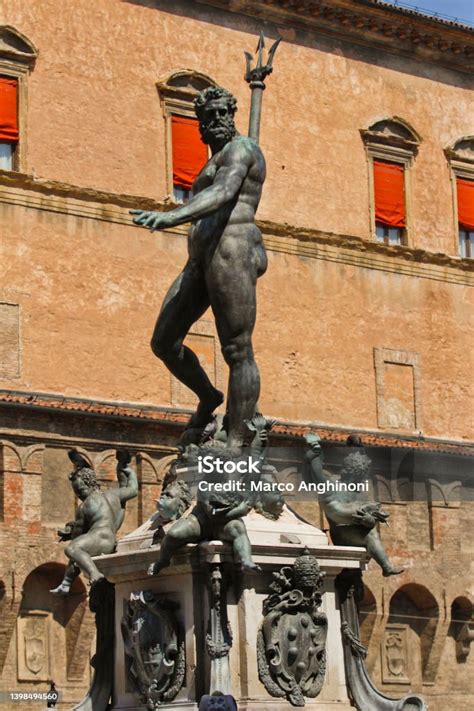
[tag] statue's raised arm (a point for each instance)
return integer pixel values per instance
(126, 476)
(315, 458)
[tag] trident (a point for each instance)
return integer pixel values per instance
(255, 77)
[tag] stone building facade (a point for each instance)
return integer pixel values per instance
(357, 330)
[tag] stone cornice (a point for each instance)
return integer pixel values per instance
(56, 189)
(22, 190)
(370, 23)
(174, 420)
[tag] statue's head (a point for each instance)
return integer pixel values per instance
(84, 482)
(355, 466)
(174, 501)
(215, 108)
(269, 503)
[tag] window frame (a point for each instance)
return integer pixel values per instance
(178, 100)
(386, 235)
(17, 58)
(469, 243)
(12, 70)
(170, 109)
(401, 157)
(393, 148)
(459, 168)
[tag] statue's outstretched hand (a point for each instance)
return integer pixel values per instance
(152, 220)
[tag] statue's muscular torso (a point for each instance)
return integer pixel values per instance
(229, 233)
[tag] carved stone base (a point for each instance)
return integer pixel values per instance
(186, 582)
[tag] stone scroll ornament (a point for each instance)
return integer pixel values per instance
(364, 694)
(154, 647)
(102, 605)
(291, 642)
(219, 632)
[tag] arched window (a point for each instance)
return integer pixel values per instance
(462, 626)
(391, 146)
(460, 155)
(408, 639)
(54, 635)
(17, 57)
(185, 152)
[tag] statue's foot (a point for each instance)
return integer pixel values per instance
(386, 572)
(155, 568)
(62, 589)
(250, 565)
(205, 409)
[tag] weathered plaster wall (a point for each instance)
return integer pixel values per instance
(95, 118)
(89, 292)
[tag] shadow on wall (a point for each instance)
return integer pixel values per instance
(367, 616)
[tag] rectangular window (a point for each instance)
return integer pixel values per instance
(189, 155)
(8, 121)
(465, 193)
(389, 235)
(466, 243)
(389, 201)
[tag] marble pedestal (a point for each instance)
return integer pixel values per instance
(274, 544)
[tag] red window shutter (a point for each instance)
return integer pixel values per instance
(8, 110)
(389, 192)
(465, 190)
(189, 152)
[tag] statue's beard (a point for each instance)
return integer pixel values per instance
(221, 131)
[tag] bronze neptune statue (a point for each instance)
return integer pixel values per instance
(226, 257)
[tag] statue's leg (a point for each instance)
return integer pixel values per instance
(185, 530)
(82, 548)
(184, 304)
(232, 289)
(70, 574)
(376, 550)
(236, 533)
